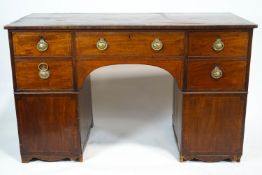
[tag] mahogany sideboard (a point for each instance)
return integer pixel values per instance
(208, 54)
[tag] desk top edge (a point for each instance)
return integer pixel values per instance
(68, 21)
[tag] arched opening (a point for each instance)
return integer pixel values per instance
(132, 105)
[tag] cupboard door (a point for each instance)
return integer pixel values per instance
(213, 123)
(48, 123)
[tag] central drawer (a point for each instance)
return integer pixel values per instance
(129, 44)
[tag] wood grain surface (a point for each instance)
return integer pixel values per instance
(157, 21)
(129, 44)
(59, 43)
(233, 78)
(48, 124)
(235, 44)
(27, 75)
(85, 67)
(212, 124)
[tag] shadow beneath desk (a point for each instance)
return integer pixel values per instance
(135, 110)
(9, 142)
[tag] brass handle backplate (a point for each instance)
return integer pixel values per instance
(218, 45)
(157, 45)
(42, 45)
(216, 73)
(101, 44)
(43, 73)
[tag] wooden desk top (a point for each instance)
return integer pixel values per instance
(130, 21)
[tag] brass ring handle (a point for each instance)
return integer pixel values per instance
(157, 44)
(42, 45)
(101, 44)
(218, 45)
(216, 73)
(43, 73)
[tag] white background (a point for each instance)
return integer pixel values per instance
(132, 104)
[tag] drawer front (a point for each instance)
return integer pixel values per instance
(58, 43)
(218, 44)
(129, 43)
(205, 75)
(28, 75)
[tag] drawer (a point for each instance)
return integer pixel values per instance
(36, 74)
(49, 43)
(130, 43)
(216, 75)
(218, 44)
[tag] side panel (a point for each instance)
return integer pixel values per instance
(85, 111)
